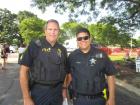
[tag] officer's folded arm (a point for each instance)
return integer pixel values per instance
(24, 85)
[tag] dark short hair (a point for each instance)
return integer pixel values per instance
(49, 21)
(83, 30)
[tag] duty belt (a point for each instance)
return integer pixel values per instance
(49, 85)
(79, 95)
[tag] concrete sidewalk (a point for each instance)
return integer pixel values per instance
(128, 78)
(10, 93)
(128, 86)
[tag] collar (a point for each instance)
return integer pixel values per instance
(48, 44)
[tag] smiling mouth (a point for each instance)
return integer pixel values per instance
(53, 35)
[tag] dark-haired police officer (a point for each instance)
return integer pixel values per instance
(89, 69)
(45, 60)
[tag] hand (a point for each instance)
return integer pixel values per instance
(110, 102)
(28, 101)
(64, 93)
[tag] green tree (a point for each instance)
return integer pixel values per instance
(126, 11)
(21, 16)
(8, 26)
(31, 28)
(62, 36)
(138, 42)
(70, 28)
(74, 7)
(25, 14)
(107, 34)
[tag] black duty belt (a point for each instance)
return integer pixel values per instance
(79, 95)
(53, 85)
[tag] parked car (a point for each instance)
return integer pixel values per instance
(70, 45)
(13, 48)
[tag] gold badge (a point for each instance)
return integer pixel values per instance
(59, 52)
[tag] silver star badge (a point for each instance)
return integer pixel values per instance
(92, 61)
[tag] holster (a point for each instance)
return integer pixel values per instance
(31, 81)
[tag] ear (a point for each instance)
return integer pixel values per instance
(90, 39)
(45, 31)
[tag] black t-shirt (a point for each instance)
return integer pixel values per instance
(95, 59)
(33, 49)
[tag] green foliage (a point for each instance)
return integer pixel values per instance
(62, 36)
(25, 14)
(31, 28)
(117, 58)
(70, 28)
(107, 34)
(74, 7)
(20, 17)
(8, 26)
(101, 33)
(126, 13)
(138, 42)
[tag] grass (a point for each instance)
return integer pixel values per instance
(117, 58)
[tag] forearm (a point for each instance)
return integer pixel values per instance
(24, 82)
(111, 87)
(67, 81)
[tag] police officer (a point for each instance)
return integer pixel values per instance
(45, 61)
(90, 68)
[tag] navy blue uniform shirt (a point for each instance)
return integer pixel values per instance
(95, 59)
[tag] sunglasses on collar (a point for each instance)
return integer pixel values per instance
(83, 38)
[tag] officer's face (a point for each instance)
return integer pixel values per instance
(52, 32)
(83, 41)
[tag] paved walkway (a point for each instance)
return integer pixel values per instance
(9, 83)
(128, 78)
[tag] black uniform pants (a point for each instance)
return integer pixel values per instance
(47, 95)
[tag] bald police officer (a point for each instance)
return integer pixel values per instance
(45, 61)
(89, 67)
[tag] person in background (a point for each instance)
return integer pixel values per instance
(45, 61)
(4, 55)
(91, 73)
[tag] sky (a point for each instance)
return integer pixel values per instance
(20, 5)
